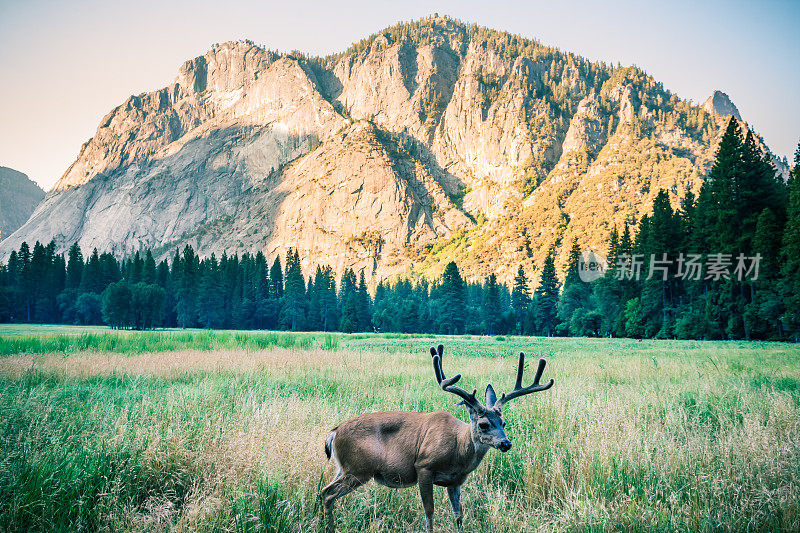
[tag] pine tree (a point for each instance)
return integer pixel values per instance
(135, 270)
(74, 266)
(276, 279)
(520, 299)
(491, 305)
(762, 314)
(453, 299)
(34, 280)
(625, 241)
(613, 246)
(324, 302)
(658, 242)
(790, 254)
(364, 303)
(575, 306)
(545, 298)
(210, 306)
(721, 202)
(757, 188)
(186, 277)
(349, 302)
(294, 296)
(149, 274)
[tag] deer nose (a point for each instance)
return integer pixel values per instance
(504, 446)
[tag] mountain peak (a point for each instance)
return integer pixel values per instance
(429, 141)
(720, 104)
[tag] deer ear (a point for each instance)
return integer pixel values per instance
(490, 397)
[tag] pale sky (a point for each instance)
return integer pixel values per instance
(65, 64)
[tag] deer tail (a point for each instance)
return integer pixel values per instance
(329, 443)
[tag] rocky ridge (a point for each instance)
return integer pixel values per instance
(429, 141)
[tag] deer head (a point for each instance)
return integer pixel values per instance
(486, 420)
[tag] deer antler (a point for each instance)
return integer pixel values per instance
(448, 384)
(519, 390)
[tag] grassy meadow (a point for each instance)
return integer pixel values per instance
(224, 431)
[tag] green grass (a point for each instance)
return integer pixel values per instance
(28, 330)
(140, 432)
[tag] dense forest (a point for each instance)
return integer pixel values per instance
(679, 273)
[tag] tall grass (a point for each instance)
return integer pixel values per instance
(635, 435)
(154, 341)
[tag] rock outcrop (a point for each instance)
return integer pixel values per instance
(720, 104)
(427, 142)
(19, 196)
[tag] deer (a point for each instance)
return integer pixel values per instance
(400, 449)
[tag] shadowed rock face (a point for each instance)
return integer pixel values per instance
(720, 104)
(19, 196)
(429, 131)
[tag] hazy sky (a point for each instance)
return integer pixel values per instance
(65, 64)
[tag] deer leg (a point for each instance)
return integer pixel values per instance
(455, 500)
(425, 480)
(337, 488)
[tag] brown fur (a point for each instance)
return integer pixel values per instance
(401, 448)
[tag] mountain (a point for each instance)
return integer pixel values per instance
(720, 104)
(427, 142)
(19, 196)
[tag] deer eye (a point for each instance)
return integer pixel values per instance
(483, 425)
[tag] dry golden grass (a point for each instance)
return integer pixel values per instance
(168, 364)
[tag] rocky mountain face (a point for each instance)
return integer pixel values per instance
(19, 196)
(427, 142)
(720, 104)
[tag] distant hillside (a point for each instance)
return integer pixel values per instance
(429, 141)
(19, 196)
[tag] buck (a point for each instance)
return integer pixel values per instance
(399, 448)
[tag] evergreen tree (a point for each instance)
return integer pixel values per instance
(491, 305)
(363, 304)
(210, 299)
(186, 278)
(92, 277)
(790, 255)
(762, 315)
(658, 242)
(294, 297)
(261, 290)
(721, 202)
(545, 298)
(149, 273)
(74, 266)
(452, 300)
(520, 299)
(323, 301)
(575, 306)
(349, 302)
(276, 279)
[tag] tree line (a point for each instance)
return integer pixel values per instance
(742, 208)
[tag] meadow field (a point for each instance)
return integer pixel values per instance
(224, 431)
